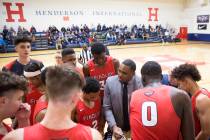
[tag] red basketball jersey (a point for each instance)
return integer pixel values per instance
(31, 98)
(152, 115)
(8, 130)
(89, 116)
(102, 73)
(40, 105)
(79, 132)
(193, 99)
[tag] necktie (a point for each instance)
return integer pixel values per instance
(125, 108)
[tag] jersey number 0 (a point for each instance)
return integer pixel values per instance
(149, 113)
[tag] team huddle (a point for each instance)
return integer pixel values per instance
(66, 102)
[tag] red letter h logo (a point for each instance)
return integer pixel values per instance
(14, 12)
(155, 14)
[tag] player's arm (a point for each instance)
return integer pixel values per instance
(15, 135)
(116, 65)
(95, 134)
(203, 109)
(40, 116)
(74, 115)
(102, 122)
(187, 124)
(86, 70)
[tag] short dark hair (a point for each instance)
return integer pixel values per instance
(67, 51)
(186, 70)
(10, 81)
(60, 80)
(43, 75)
(130, 63)
(22, 39)
(91, 85)
(33, 66)
(151, 69)
(98, 48)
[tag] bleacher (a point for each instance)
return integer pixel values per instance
(40, 40)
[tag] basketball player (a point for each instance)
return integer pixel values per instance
(23, 48)
(187, 76)
(41, 104)
(101, 66)
(69, 60)
(88, 109)
(12, 89)
(32, 72)
(57, 125)
(159, 112)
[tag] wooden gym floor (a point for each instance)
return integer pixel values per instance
(169, 56)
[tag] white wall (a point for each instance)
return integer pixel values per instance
(193, 9)
(170, 12)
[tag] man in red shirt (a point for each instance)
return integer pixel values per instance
(101, 66)
(32, 72)
(159, 112)
(88, 109)
(187, 76)
(12, 88)
(57, 123)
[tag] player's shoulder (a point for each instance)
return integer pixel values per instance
(202, 101)
(9, 65)
(112, 78)
(179, 96)
(15, 135)
(177, 92)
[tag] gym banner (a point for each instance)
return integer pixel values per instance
(203, 19)
(202, 26)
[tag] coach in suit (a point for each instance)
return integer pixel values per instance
(117, 95)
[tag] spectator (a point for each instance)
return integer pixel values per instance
(58, 58)
(5, 31)
(2, 44)
(33, 30)
(59, 43)
(119, 88)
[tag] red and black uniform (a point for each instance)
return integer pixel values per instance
(31, 98)
(40, 105)
(16, 67)
(79, 132)
(89, 116)
(7, 128)
(193, 99)
(102, 73)
(152, 115)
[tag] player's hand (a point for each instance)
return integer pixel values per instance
(24, 112)
(117, 132)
